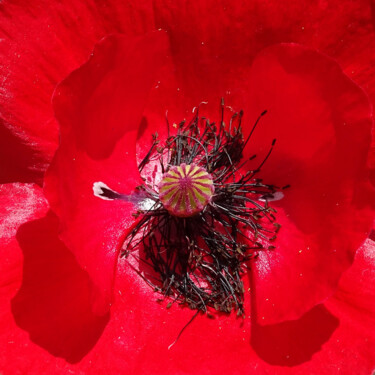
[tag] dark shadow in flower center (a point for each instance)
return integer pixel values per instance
(199, 258)
(53, 303)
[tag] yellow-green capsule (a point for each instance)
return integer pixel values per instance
(186, 189)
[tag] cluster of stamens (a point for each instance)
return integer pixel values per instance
(207, 219)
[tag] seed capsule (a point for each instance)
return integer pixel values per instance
(185, 190)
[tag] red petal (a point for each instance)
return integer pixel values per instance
(18, 204)
(227, 36)
(41, 43)
(28, 28)
(99, 108)
(346, 320)
(50, 292)
(354, 303)
(137, 337)
(322, 122)
(330, 339)
(19, 163)
(54, 302)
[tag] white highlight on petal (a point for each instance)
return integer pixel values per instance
(142, 202)
(97, 188)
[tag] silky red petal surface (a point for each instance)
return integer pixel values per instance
(319, 342)
(99, 108)
(330, 339)
(86, 366)
(354, 302)
(18, 162)
(53, 28)
(41, 43)
(43, 290)
(322, 122)
(227, 35)
(350, 348)
(231, 34)
(224, 39)
(18, 204)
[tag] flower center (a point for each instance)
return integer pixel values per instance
(207, 216)
(186, 190)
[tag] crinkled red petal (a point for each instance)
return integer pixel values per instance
(45, 296)
(330, 339)
(223, 41)
(233, 33)
(322, 125)
(99, 108)
(19, 162)
(229, 35)
(322, 122)
(349, 349)
(41, 43)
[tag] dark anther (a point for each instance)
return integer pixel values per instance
(199, 260)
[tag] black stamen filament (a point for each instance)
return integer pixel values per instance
(199, 261)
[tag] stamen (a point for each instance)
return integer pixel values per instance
(207, 217)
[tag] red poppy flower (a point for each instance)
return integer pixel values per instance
(107, 110)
